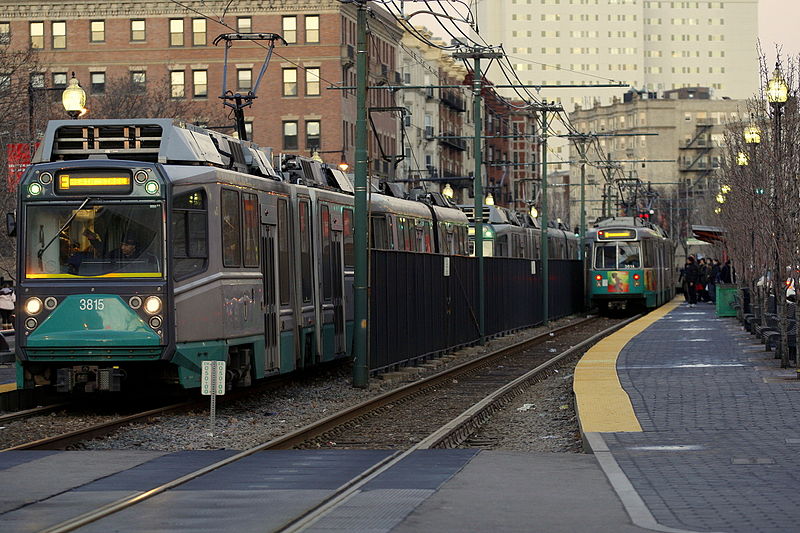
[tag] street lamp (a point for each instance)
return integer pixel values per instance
(74, 98)
(489, 199)
(742, 159)
(534, 212)
(448, 192)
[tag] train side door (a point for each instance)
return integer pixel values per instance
(288, 336)
(271, 307)
(333, 275)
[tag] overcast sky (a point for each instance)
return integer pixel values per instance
(778, 23)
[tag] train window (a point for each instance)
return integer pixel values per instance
(502, 246)
(251, 229)
(347, 222)
(189, 234)
(610, 256)
(401, 233)
(327, 279)
(231, 229)
(306, 276)
(378, 233)
(428, 233)
(283, 252)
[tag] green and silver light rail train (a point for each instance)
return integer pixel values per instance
(147, 246)
(629, 264)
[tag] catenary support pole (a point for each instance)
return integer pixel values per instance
(544, 223)
(361, 296)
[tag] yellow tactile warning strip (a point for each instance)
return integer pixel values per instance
(600, 401)
(6, 387)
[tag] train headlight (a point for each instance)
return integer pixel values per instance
(151, 187)
(155, 322)
(152, 305)
(33, 306)
(135, 302)
(31, 322)
(50, 303)
(35, 188)
(598, 277)
(140, 176)
(636, 277)
(45, 177)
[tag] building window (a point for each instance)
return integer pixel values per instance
(312, 81)
(98, 80)
(5, 82)
(97, 31)
(290, 82)
(290, 29)
(290, 135)
(37, 35)
(177, 83)
(200, 83)
(312, 28)
(244, 79)
(37, 80)
(198, 32)
(5, 32)
(59, 34)
(248, 128)
(244, 25)
(176, 32)
(59, 82)
(138, 30)
(313, 139)
(138, 81)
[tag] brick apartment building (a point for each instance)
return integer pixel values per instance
(170, 45)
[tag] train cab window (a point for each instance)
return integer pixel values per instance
(611, 256)
(231, 229)
(283, 252)
(251, 227)
(349, 251)
(327, 278)
(306, 276)
(501, 249)
(189, 234)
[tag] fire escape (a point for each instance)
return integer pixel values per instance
(696, 161)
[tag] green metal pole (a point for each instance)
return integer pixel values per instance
(544, 219)
(361, 300)
(478, 192)
(584, 260)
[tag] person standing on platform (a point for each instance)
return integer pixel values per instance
(713, 279)
(725, 274)
(682, 281)
(692, 278)
(7, 301)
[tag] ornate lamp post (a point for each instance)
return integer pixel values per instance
(74, 98)
(777, 95)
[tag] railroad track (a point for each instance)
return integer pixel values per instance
(449, 434)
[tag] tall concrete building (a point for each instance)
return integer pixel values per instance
(653, 45)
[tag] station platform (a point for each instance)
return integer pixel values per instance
(691, 424)
(694, 424)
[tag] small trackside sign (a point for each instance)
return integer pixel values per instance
(212, 379)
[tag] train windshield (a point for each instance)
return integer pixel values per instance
(612, 256)
(94, 240)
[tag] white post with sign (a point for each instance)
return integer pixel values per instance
(212, 382)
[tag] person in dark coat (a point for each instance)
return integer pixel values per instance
(713, 279)
(692, 278)
(725, 273)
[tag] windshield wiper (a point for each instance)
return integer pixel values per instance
(65, 226)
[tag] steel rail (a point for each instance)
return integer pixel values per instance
(310, 430)
(452, 433)
(32, 412)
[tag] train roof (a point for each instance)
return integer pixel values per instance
(642, 227)
(156, 140)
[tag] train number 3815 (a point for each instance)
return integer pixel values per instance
(91, 304)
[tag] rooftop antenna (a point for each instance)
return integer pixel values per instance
(238, 101)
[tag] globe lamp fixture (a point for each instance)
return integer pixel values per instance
(489, 199)
(74, 98)
(752, 134)
(777, 90)
(742, 159)
(448, 192)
